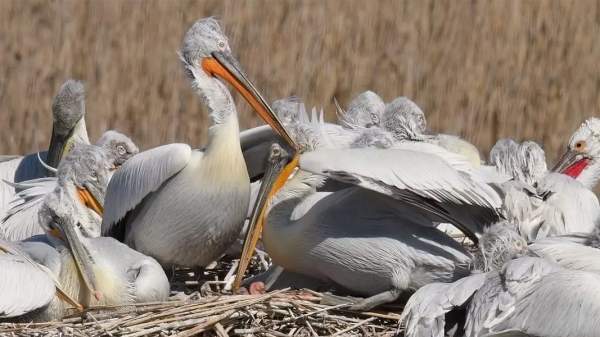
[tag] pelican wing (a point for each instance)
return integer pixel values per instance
(568, 253)
(8, 157)
(23, 287)
(563, 303)
(256, 144)
(569, 206)
(141, 175)
(424, 180)
(425, 311)
(21, 221)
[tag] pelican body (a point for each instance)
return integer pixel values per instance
(359, 240)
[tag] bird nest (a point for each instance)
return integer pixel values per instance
(201, 305)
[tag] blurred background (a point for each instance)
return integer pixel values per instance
(482, 70)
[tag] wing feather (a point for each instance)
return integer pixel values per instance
(423, 180)
(425, 311)
(23, 287)
(141, 175)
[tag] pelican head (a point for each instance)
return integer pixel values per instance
(581, 160)
(68, 128)
(364, 111)
(83, 176)
(533, 162)
(499, 243)
(64, 226)
(206, 55)
(404, 119)
(119, 147)
(502, 155)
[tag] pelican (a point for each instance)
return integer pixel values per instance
(45, 275)
(541, 202)
(581, 160)
(364, 111)
(76, 171)
(506, 295)
(68, 111)
(528, 297)
(376, 239)
(401, 120)
(186, 207)
(83, 175)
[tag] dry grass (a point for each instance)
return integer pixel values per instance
(525, 69)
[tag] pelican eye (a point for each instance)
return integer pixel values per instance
(580, 145)
(121, 150)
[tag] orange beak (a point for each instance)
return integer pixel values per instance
(226, 67)
(88, 200)
(270, 186)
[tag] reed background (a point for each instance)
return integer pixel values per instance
(482, 70)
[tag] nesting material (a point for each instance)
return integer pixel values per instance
(279, 313)
(203, 305)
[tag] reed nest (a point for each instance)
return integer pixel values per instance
(278, 313)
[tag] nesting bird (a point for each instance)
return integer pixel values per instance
(45, 275)
(182, 206)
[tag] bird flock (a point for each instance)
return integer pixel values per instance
(368, 209)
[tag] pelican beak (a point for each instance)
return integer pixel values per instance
(92, 198)
(572, 163)
(59, 146)
(82, 257)
(276, 175)
(226, 67)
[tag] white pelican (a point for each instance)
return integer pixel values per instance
(582, 158)
(85, 271)
(68, 111)
(79, 171)
(360, 238)
(181, 206)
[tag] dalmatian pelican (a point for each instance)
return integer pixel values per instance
(375, 238)
(581, 160)
(183, 206)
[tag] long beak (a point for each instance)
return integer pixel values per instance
(571, 163)
(228, 69)
(91, 198)
(56, 148)
(275, 177)
(83, 260)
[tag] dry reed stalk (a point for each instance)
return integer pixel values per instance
(483, 70)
